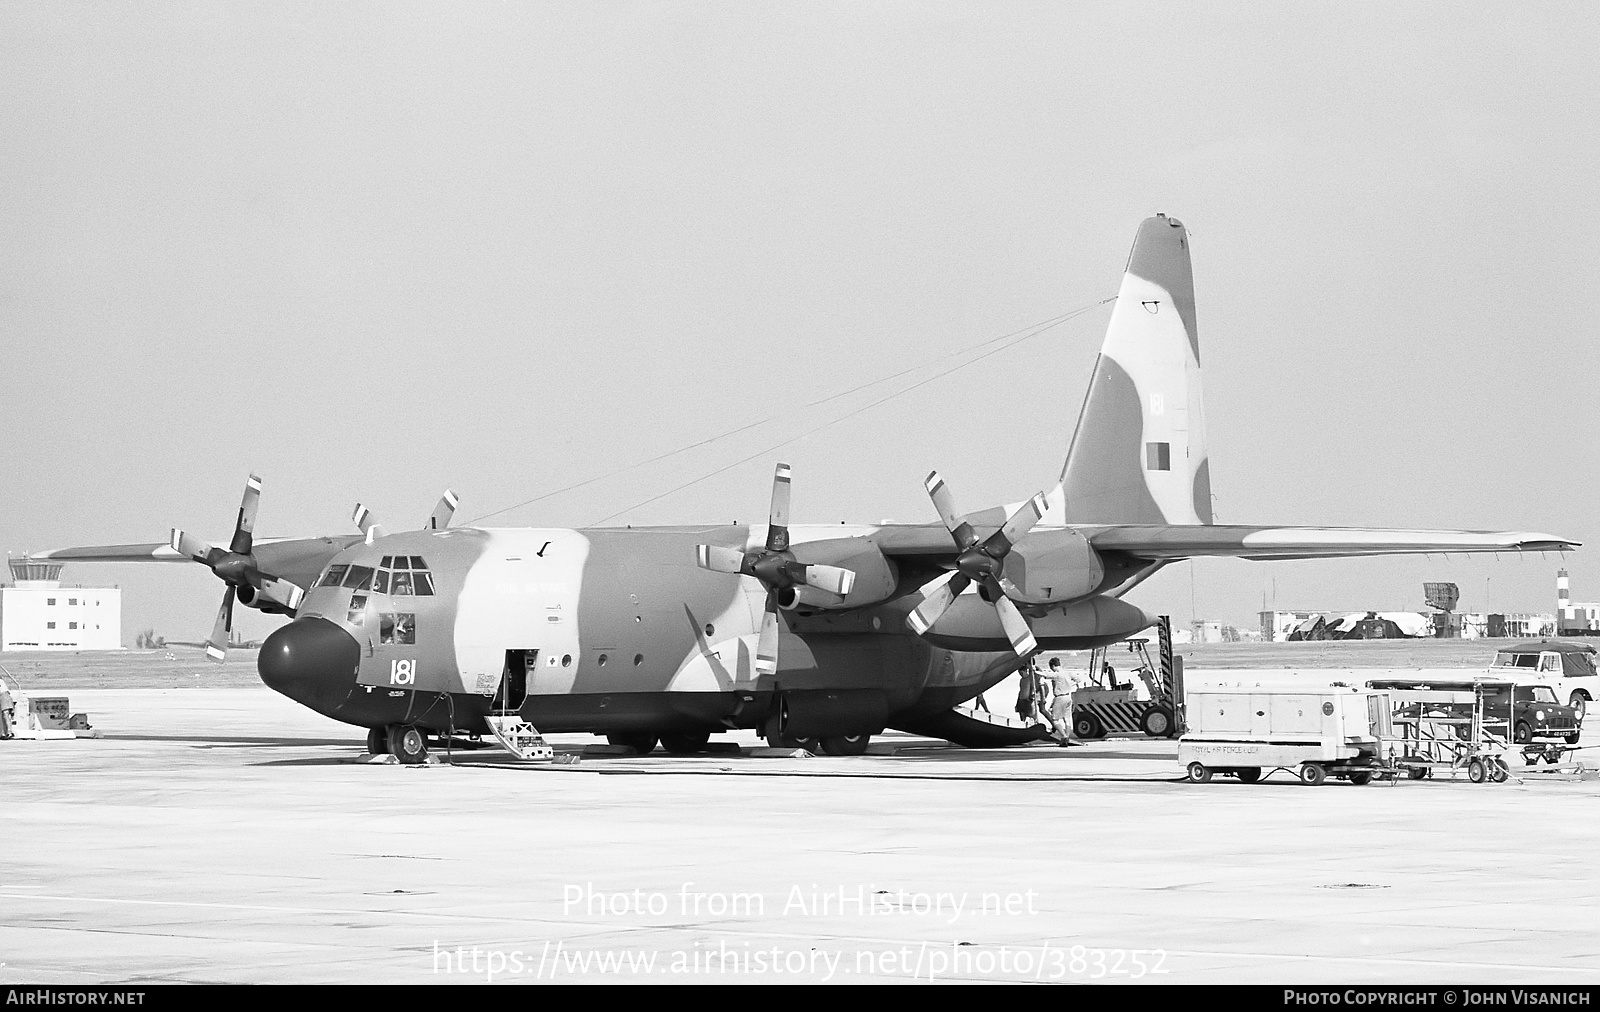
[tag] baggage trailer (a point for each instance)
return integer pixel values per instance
(1471, 725)
(1312, 733)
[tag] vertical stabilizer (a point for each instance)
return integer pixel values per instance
(1138, 455)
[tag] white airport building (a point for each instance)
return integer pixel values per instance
(38, 613)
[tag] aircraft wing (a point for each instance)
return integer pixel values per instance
(162, 552)
(297, 560)
(1173, 542)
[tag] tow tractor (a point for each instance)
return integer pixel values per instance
(1109, 706)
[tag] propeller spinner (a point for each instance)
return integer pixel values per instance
(236, 566)
(980, 563)
(775, 566)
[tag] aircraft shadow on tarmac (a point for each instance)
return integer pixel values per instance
(225, 741)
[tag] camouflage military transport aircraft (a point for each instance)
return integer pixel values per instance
(831, 633)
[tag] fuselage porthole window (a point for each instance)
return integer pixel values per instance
(601, 660)
(566, 660)
(638, 659)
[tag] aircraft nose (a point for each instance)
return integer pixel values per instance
(312, 661)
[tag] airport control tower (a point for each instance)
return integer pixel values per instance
(37, 612)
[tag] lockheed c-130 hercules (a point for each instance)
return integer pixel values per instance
(833, 633)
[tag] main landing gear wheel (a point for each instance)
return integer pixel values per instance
(1312, 774)
(1087, 725)
(1248, 774)
(1477, 772)
(1199, 774)
(408, 744)
(685, 744)
(846, 744)
(642, 742)
(377, 741)
(1156, 722)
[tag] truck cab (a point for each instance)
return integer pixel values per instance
(1568, 668)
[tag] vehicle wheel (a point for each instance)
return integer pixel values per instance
(1313, 774)
(846, 744)
(1087, 725)
(1477, 772)
(642, 742)
(1499, 773)
(408, 744)
(1361, 779)
(377, 741)
(1248, 774)
(1578, 702)
(1198, 773)
(685, 744)
(1572, 739)
(1417, 772)
(1156, 722)
(1524, 733)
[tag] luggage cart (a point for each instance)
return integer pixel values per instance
(1449, 727)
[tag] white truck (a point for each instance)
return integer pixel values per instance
(1317, 733)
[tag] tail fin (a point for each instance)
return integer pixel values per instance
(1139, 453)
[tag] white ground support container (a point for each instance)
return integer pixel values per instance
(1316, 733)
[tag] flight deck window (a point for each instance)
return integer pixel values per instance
(424, 584)
(417, 563)
(332, 577)
(359, 577)
(400, 583)
(380, 582)
(358, 608)
(399, 628)
(387, 563)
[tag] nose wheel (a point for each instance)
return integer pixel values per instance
(408, 744)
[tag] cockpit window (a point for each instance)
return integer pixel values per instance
(403, 576)
(397, 628)
(359, 577)
(332, 577)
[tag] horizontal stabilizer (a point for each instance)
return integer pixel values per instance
(1173, 542)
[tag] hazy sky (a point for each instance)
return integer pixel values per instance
(371, 250)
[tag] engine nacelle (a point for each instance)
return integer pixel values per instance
(1050, 566)
(876, 576)
(250, 598)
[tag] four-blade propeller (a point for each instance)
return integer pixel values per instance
(980, 563)
(438, 520)
(775, 566)
(236, 566)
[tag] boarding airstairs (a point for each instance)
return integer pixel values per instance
(519, 737)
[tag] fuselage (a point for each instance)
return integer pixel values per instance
(605, 631)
